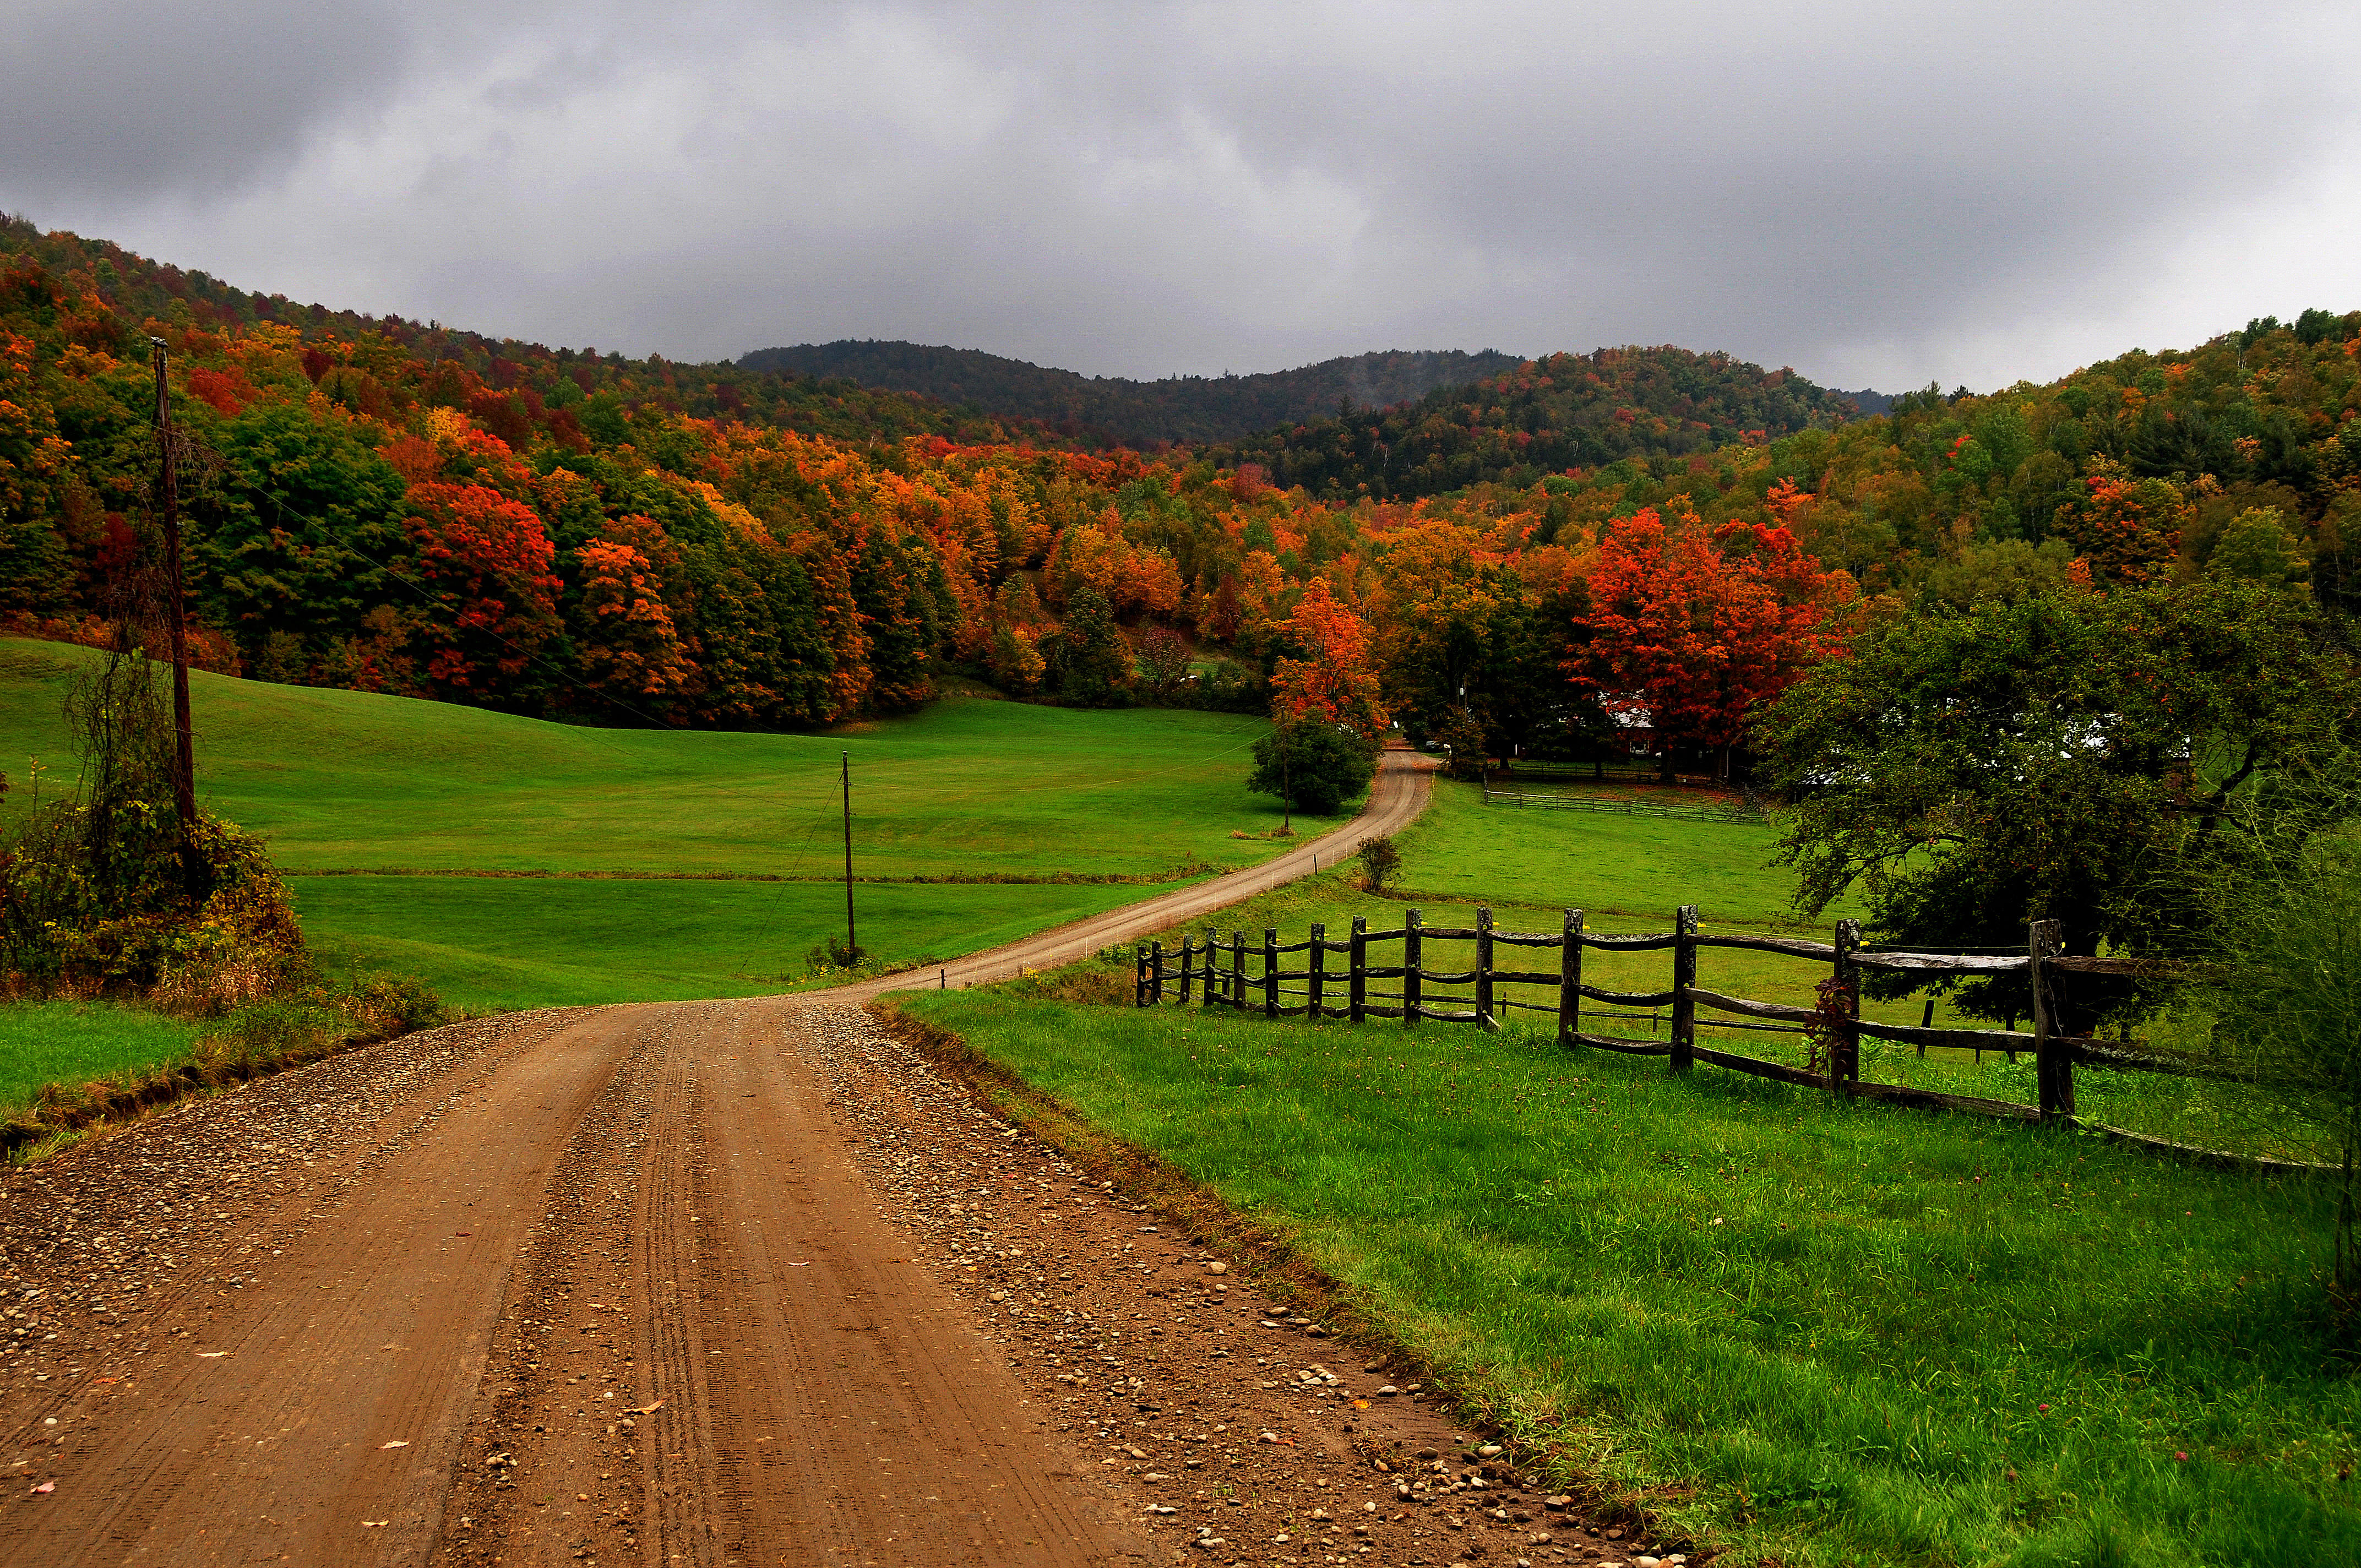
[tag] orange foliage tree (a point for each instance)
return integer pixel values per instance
(1336, 680)
(1690, 629)
(624, 636)
(2128, 529)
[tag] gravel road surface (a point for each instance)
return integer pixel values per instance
(700, 1283)
(706, 1283)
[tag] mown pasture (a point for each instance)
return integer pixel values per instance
(403, 824)
(1818, 1331)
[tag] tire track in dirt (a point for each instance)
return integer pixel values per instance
(720, 1355)
(600, 1283)
(315, 1415)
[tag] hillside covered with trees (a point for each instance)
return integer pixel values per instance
(1564, 412)
(1178, 411)
(514, 385)
(404, 509)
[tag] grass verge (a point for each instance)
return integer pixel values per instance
(1807, 1331)
(70, 1068)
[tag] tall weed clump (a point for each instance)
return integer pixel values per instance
(103, 894)
(99, 893)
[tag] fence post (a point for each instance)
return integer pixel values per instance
(1188, 951)
(1413, 959)
(1139, 976)
(1685, 924)
(1155, 974)
(1484, 969)
(1358, 986)
(1569, 980)
(2053, 1067)
(1213, 964)
(1270, 971)
(1319, 981)
(1844, 1052)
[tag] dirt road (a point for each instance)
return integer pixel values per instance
(623, 1250)
(706, 1284)
(1405, 781)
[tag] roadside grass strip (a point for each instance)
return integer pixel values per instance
(1811, 1331)
(68, 1069)
(73, 1043)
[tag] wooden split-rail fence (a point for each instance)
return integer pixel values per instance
(1215, 974)
(1625, 804)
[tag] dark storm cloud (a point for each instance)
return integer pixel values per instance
(1870, 192)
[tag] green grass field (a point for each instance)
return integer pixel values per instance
(488, 944)
(73, 1043)
(1630, 874)
(970, 789)
(1824, 1332)
(1622, 867)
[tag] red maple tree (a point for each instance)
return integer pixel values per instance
(1690, 628)
(485, 562)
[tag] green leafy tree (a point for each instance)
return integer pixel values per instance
(305, 534)
(2287, 1004)
(2258, 545)
(1462, 733)
(1314, 767)
(1165, 660)
(2070, 756)
(1085, 656)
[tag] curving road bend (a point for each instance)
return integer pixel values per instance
(1403, 785)
(580, 1286)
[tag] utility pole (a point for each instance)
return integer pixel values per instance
(852, 941)
(1286, 790)
(184, 757)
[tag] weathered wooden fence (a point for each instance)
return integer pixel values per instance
(1723, 810)
(1214, 974)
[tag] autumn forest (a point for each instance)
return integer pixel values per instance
(1555, 556)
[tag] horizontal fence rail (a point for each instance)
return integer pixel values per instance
(1215, 973)
(1720, 810)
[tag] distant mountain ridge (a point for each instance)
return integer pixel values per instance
(1185, 410)
(1557, 414)
(1869, 402)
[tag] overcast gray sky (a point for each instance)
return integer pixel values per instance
(1875, 193)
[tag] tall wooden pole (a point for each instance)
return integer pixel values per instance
(184, 757)
(1285, 788)
(851, 938)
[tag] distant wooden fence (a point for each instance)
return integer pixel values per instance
(1202, 978)
(1724, 810)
